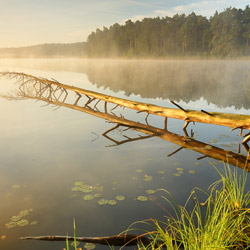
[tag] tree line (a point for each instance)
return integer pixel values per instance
(224, 34)
(46, 50)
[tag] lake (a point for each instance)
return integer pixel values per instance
(57, 165)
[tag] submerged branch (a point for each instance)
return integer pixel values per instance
(115, 240)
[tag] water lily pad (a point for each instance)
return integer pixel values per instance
(33, 223)
(24, 212)
(86, 189)
(88, 197)
(11, 224)
(150, 191)
(16, 186)
(134, 178)
(112, 202)
(73, 243)
(120, 198)
(98, 188)
(147, 177)
(75, 189)
(139, 171)
(179, 169)
(191, 171)
(161, 172)
(142, 198)
(22, 223)
(79, 183)
(197, 163)
(103, 202)
(97, 195)
(15, 218)
(177, 174)
(176, 163)
(115, 182)
(90, 246)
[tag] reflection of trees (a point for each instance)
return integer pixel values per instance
(63, 95)
(223, 83)
(176, 80)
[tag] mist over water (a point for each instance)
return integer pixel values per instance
(178, 80)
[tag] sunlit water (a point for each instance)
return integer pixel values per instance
(45, 150)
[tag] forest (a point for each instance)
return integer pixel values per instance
(46, 50)
(225, 34)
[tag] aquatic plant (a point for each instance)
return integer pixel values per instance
(221, 222)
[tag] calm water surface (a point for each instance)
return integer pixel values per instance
(45, 150)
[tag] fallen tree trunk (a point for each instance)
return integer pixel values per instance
(183, 141)
(115, 240)
(224, 119)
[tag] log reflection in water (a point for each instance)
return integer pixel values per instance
(57, 94)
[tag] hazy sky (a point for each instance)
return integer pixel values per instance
(29, 22)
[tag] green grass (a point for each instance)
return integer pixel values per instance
(221, 222)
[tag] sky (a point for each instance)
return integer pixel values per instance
(31, 22)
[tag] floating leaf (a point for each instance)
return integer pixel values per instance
(11, 224)
(75, 189)
(149, 159)
(115, 182)
(173, 147)
(134, 178)
(22, 223)
(88, 197)
(24, 213)
(179, 169)
(73, 243)
(142, 198)
(197, 163)
(161, 172)
(120, 198)
(177, 174)
(97, 195)
(103, 202)
(15, 186)
(86, 190)
(214, 140)
(176, 164)
(150, 191)
(147, 177)
(112, 202)
(191, 171)
(139, 171)
(15, 218)
(79, 183)
(114, 188)
(33, 223)
(98, 188)
(89, 246)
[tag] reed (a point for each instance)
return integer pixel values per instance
(221, 222)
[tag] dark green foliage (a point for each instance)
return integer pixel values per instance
(225, 34)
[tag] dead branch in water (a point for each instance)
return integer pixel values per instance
(115, 240)
(223, 119)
